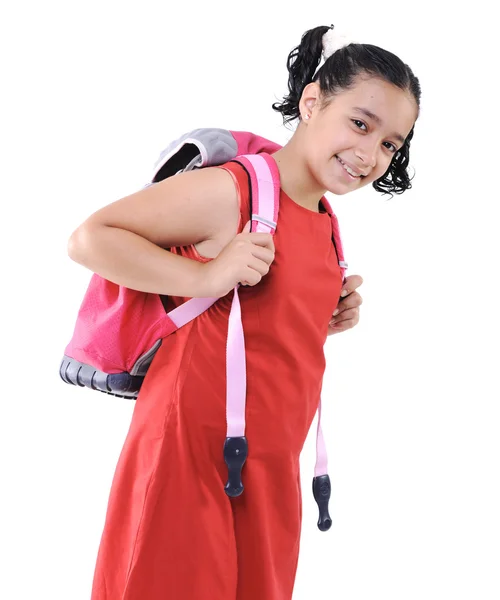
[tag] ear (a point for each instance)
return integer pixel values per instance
(309, 99)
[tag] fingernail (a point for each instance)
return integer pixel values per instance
(344, 293)
(336, 312)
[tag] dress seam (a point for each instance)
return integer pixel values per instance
(155, 468)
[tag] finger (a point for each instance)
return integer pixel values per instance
(347, 315)
(262, 239)
(259, 266)
(353, 300)
(337, 329)
(252, 276)
(247, 227)
(351, 283)
(263, 254)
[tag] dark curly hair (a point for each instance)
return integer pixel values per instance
(339, 73)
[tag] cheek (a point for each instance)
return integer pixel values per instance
(382, 168)
(320, 144)
(315, 154)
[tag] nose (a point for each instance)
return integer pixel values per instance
(367, 153)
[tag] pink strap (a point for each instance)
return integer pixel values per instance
(236, 372)
(321, 454)
(265, 189)
(190, 310)
(336, 236)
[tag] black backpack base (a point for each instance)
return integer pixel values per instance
(121, 385)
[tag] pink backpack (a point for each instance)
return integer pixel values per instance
(118, 330)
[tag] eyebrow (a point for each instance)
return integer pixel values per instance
(378, 120)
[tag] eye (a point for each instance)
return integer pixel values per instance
(358, 121)
(394, 150)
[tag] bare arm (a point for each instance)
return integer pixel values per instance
(124, 242)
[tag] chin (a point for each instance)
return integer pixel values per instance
(340, 190)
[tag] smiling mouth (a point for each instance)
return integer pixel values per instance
(348, 170)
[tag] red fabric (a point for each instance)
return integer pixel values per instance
(171, 533)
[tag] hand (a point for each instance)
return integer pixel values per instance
(348, 306)
(246, 260)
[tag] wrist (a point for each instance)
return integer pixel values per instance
(201, 281)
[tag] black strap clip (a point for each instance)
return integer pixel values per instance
(235, 455)
(322, 491)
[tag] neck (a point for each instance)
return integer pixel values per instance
(295, 177)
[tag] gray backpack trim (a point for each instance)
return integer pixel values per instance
(196, 149)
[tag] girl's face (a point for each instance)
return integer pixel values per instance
(363, 127)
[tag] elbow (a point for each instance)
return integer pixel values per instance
(78, 244)
(71, 247)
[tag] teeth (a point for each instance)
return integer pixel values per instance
(348, 169)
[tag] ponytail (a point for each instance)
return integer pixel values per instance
(301, 64)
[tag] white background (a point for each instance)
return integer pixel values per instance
(92, 92)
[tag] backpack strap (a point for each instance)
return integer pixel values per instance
(264, 190)
(264, 201)
(337, 242)
(321, 480)
(264, 195)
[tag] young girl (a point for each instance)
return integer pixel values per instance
(171, 532)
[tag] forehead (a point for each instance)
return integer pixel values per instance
(395, 108)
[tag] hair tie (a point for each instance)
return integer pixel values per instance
(334, 40)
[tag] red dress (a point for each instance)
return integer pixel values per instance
(171, 532)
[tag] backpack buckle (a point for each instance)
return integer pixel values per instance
(235, 455)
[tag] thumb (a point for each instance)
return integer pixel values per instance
(247, 227)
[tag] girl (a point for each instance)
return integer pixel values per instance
(171, 532)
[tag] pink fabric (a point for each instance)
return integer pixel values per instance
(190, 310)
(236, 372)
(265, 185)
(321, 467)
(116, 325)
(264, 176)
(249, 143)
